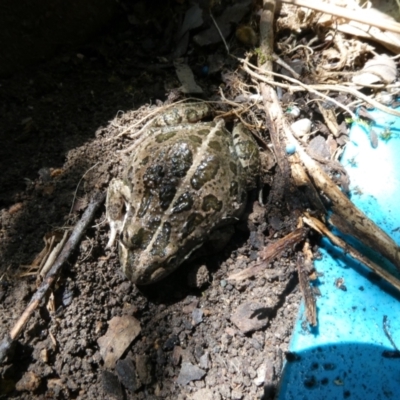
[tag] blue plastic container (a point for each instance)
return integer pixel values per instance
(349, 355)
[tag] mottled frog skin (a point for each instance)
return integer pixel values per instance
(182, 183)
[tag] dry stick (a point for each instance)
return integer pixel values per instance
(362, 227)
(352, 15)
(51, 277)
(365, 229)
(275, 122)
(266, 46)
(273, 250)
(323, 230)
(306, 290)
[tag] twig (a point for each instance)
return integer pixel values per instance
(77, 187)
(323, 230)
(53, 255)
(352, 15)
(310, 88)
(303, 261)
(271, 111)
(272, 251)
(316, 89)
(286, 66)
(362, 227)
(219, 32)
(51, 277)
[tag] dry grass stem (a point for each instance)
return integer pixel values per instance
(316, 88)
(52, 276)
(384, 24)
(151, 115)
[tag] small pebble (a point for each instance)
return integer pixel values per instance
(126, 374)
(188, 373)
(204, 361)
(67, 297)
(301, 127)
(197, 316)
(259, 380)
(385, 98)
(171, 342)
(29, 382)
(111, 385)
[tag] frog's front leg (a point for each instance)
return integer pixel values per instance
(117, 207)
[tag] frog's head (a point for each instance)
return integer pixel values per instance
(147, 266)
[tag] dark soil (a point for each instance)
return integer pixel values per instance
(55, 153)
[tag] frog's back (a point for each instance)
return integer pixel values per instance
(185, 181)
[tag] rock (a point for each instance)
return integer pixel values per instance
(198, 277)
(197, 316)
(261, 371)
(56, 388)
(176, 355)
(120, 334)
(127, 374)
(198, 352)
(171, 342)
(250, 317)
(144, 369)
(318, 147)
(188, 373)
(29, 382)
(203, 361)
(111, 385)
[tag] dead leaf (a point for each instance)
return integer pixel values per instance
(80, 204)
(193, 19)
(251, 316)
(120, 334)
(186, 77)
(231, 15)
(50, 239)
(379, 69)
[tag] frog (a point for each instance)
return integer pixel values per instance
(185, 181)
